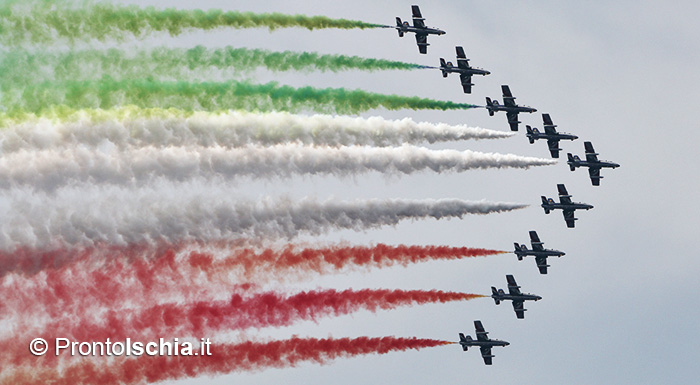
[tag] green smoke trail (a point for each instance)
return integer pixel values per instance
(210, 96)
(42, 23)
(22, 67)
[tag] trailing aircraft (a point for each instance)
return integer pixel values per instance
(565, 204)
(550, 133)
(514, 295)
(538, 251)
(594, 165)
(463, 69)
(418, 28)
(482, 341)
(512, 110)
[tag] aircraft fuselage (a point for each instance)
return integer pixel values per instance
(500, 107)
(585, 163)
(469, 71)
(557, 136)
(539, 253)
(519, 297)
(420, 31)
(490, 342)
(567, 206)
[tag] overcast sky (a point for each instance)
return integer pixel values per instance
(621, 306)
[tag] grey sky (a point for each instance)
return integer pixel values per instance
(617, 308)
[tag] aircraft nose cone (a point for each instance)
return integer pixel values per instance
(507, 343)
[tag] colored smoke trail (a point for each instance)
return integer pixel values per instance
(241, 311)
(44, 22)
(136, 127)
(292, 260)
(50, 169)
(197, 211)
(54, 282)
(212, 96)
(225, 358)
(24, 67)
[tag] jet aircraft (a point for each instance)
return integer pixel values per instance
(594, 165)
(565, 204)
(509, 107)
(463, 69)
(482, 341)
(514, 295)
(550, 133)
(538, 251)
(418, 28)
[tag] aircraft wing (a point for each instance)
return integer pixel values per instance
(535, 241)
(519, 308)
(513, 287)
(591, 155)
(422, 41)
(512, 120)
(564, 197)
(508, 98)
(547, 120)
(569, 218)
(418, 20)
(486, 354)
(594, 172)
(481, 334)
(542, 264)
(550, 130)
(553, 147)
(466, 83)
(462, 61)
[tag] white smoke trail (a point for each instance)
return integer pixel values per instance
(135, 127)
(166, 212)
(53, 168)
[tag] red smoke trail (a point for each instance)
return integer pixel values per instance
(329, 259)
(225, 358)
(110, 276)
(26, 261)
(207, 318)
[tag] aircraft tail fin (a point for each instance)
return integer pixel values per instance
(495, 292)
(517, 250)
(571, 160)
(443, 65)
(489, 104)
(544, 202)
(529, 136)
(399, 25)
(462, 338)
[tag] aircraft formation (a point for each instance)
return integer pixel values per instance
(553, 139)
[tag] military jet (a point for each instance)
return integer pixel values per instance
(538, 251)
(565, 204)
(514, 295)
(550, 133)
(418, 28)
(594, 165)
(482, 341)
(509, 107)
(463, 69)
